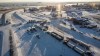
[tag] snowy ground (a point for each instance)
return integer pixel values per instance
(0, 17)
(31, 45)
(28, 44)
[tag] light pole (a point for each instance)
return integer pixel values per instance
(59, 9)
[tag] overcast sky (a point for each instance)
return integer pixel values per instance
(49, 0)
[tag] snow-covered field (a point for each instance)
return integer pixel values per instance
(39, 43)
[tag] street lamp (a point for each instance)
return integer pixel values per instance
(59, 8)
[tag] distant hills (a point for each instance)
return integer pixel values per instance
(37, 3)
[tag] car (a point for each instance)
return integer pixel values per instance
(89, 53)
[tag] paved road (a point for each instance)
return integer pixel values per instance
(5, 40)
(3, 19)
(1, 39)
